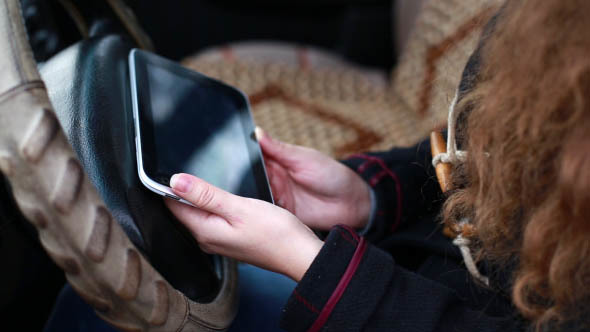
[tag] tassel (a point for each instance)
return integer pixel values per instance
(442, 159)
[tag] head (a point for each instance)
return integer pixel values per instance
(526, 181)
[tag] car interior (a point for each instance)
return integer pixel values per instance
(81, 50)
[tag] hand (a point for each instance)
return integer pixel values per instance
(319, 190)
(246, 229)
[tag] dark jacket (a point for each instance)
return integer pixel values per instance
(404, 275)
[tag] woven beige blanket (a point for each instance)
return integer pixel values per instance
(310, 97)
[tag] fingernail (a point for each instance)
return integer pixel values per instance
(180, 183)
(259, 133)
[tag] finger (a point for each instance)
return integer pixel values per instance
(282, 187)
(278, 178)
(285, 153)
(277, 174)
(206, 196)
(202, 224)
(185, 212)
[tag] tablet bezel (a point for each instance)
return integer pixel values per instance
(141, 104)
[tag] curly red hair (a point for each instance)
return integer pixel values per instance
(526, 181)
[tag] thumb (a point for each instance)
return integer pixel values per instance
(286, 154)
(205, 196)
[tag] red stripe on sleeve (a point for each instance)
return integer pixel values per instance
(398, 186)
(341, 287)
(351, 231)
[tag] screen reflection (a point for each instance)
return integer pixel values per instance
(198, 129)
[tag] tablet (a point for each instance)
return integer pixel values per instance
(186, 122)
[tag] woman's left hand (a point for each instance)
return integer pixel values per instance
(249, 230)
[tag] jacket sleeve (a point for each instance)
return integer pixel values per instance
(354, 286)
(404, 186)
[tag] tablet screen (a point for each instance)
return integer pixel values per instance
(193, 124)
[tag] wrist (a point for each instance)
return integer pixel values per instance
(302, 255)
(363, 205)
(372, 214)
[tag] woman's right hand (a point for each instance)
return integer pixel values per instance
(319, 190)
